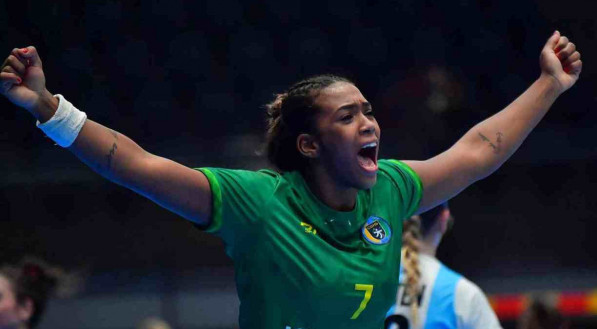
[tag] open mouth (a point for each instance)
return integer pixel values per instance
(367, 157)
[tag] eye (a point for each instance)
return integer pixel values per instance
(369, 113)
(347, 118)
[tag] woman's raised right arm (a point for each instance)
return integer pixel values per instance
(178, 188)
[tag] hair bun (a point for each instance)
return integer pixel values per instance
(274, 109)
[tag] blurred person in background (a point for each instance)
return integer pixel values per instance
(430, 295)
(25, 289)
(540, 315)
(317, 243)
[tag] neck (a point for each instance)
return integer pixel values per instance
(427, 250)
(429, 244)
(329, 192)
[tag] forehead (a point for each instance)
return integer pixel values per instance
(339, 94)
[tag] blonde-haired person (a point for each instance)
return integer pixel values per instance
(430, 295)
(312, 242)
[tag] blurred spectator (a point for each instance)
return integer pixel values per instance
(541, 315)
(25, 289)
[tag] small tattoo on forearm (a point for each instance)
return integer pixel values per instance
(499, 139)
(484, 138)
(496, 147)
(115, 134)
(110, 155)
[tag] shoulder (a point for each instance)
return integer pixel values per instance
(391, 168)
(238, 197)
(430, 266)
(400, 176)
(472, 307)
(467, 289)
(449, 277)
(239, 187)
(399, 183)
(240, 176)
(241, 172)
(462, 286)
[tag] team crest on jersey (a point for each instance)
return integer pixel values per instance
(376, 230)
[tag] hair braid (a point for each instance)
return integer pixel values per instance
(410, 260)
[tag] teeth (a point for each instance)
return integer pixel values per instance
(372, 144)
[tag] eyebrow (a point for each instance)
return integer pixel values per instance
(353, 106)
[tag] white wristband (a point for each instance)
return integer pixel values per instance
(66, 123)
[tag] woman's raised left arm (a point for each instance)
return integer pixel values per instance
(485, 147)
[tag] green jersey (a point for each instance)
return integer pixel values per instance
(301, 264)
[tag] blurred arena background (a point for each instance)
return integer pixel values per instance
(188, 80)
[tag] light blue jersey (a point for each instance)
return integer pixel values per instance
(446, 300)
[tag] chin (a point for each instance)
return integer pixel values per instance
(367, 183)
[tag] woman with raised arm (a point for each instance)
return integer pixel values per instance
(317, 243)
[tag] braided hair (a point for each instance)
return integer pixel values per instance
(290, 114)
(414, 228)
(411, 235)
(35, 281)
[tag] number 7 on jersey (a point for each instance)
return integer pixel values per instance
(368, 289)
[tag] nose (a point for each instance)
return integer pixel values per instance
(367, 126)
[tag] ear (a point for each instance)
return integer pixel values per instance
(307, 145)
(25, 309)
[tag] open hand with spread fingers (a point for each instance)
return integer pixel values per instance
(22, 79)
(560, 60)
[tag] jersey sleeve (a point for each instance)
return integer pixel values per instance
(238, 198)
(408, 183)
(472, 308)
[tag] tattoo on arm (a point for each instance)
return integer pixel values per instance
(499, 139)
(484, 138)
(110, 155)
(498, 145)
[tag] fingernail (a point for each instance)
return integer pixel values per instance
(19, 80)
(25, 50)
